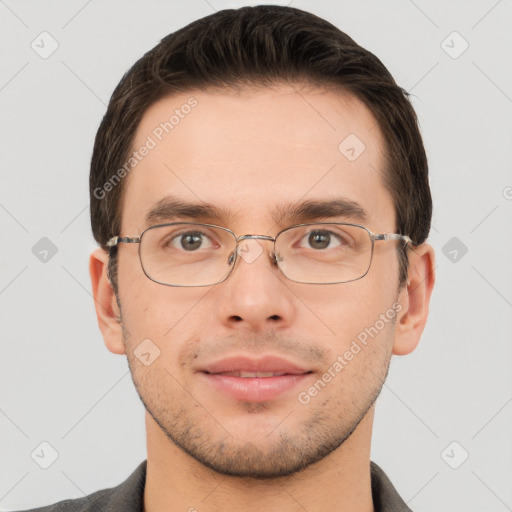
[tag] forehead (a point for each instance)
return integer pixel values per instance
(253, 153)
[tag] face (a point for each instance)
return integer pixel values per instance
(258, 375)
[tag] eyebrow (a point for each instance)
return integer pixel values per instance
(316, 209)
(171, 208)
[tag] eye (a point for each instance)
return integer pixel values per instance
(190, 241)
(323, 239)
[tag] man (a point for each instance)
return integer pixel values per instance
(259, 190)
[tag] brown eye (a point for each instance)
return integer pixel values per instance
(322, 239)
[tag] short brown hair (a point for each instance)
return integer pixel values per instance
(262, 45)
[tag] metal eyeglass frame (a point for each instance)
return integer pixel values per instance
(115, 240)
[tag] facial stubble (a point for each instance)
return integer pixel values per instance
(192, 427)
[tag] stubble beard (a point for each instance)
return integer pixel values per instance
(204, 439)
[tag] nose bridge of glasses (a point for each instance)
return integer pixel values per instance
(242, 238)
(254, 237)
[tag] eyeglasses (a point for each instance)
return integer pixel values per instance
(192, 254)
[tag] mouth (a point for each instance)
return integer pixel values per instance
(248, 374)
(254, 380)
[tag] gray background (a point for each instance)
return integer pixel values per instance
(60, 385)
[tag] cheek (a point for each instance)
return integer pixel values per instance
(343, 311)
(163, 315)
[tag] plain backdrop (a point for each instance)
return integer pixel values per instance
(444, 419)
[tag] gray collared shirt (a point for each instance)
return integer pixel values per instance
(129, 496)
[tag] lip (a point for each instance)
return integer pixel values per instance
(254, 389)
(261, 364)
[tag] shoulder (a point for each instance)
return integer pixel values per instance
(385, 496)
(127, 496)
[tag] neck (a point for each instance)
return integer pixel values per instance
(340, 482)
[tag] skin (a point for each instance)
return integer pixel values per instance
(248, 152)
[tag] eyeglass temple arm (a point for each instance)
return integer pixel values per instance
(393, 236)
(125, 240)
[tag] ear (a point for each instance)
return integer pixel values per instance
(414, 299)
(107, 310)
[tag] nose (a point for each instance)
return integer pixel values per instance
(256, 295)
